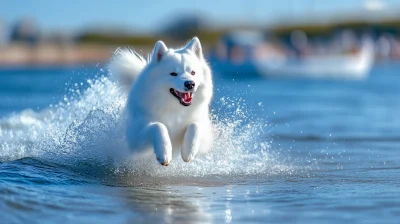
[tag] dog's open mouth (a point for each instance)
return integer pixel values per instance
(184, 98)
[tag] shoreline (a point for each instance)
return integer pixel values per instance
(23, 55)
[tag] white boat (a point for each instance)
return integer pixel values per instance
(244, 64)
(350, 66)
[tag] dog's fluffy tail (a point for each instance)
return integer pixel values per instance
(126, 65)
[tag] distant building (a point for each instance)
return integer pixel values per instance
(25, 31)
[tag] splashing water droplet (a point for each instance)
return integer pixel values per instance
(84, 129)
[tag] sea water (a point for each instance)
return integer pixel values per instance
(286, 151)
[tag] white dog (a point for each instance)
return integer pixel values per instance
(168, 103)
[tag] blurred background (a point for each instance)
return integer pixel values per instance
(233, 31)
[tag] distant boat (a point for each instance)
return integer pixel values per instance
(246, 54)
(352, 66)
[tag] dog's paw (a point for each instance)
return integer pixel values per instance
(165, 160)
(187, 158)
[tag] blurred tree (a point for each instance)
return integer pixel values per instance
(184, 27)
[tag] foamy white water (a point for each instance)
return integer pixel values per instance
(88, 128)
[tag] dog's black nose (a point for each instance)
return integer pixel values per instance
(189, 85)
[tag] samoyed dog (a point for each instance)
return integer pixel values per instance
(168, 102)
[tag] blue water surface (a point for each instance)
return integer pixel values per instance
(288, 150)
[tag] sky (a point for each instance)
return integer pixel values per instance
(148, 16)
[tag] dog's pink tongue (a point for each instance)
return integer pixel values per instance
(187, 97)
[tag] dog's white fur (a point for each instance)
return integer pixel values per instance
(156, 119)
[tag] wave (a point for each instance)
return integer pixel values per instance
(85, 133)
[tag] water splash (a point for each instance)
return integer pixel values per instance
(85, 131)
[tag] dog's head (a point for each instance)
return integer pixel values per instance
(182, 72)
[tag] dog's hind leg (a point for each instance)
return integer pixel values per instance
(191, 142)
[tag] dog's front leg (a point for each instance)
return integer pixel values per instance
(191, 142)
(161, 142)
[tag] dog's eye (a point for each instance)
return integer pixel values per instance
(173, 74)
(193, 72)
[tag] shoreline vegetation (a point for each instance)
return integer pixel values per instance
(97, 47)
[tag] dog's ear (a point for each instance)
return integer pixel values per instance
(159, 51)
(195, 46)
